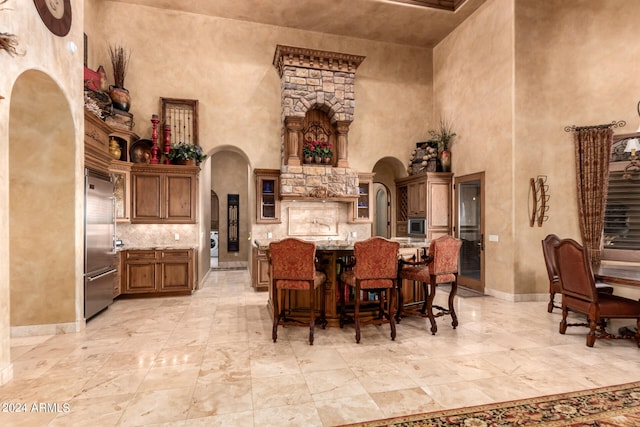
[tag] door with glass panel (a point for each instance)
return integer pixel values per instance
(469, 227)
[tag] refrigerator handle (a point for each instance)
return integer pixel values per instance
(100, 276)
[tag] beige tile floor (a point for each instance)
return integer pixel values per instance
(208, 360)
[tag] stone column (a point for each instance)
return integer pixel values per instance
(342, 127)
(294, 126)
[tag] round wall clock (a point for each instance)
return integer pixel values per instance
(56, 15)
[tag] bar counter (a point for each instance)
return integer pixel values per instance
(329, 253)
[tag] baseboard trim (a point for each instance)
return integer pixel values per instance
(48, 329)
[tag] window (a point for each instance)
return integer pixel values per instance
(621, 238)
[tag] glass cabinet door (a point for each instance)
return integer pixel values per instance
(267, 195)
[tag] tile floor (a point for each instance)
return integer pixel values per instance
(208, 360)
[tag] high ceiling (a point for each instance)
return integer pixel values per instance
(422, 23)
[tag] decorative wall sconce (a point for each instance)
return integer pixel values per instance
(633, 145)
(539, 200)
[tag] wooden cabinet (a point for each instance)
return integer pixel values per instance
(121, 172)
(362, 208)
(158, 271)
(96, 143)
(267, 196)
(260, 277)
(163, 194)
(117, 281)
(427, 196)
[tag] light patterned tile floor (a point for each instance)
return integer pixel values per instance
(208, 359)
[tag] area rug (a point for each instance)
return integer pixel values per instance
(605, 407)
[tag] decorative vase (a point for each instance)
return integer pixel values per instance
(318, 159)
(120, 98)
(445, 160)
(326, 160)
(114, 149)
(187, 162)
(308, 159)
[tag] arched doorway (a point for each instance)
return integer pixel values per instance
(44, 289)
(386, 170)
(230, 180)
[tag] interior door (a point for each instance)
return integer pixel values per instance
(469, 227)
(383, 210)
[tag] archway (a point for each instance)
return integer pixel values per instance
(230, 176)
(387, 170)
(42, 204)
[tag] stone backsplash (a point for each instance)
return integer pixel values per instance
(156, 235)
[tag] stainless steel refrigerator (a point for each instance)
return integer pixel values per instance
(99, 243)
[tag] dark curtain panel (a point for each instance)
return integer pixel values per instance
(593, 151)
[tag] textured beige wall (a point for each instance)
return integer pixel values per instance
(576, 64)
(227, 66)
(50, 54)
(473, 86)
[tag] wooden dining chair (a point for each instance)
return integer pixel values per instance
(293, 269)
(375, 270)
(580, 295)
(439, 266)
(555, 287)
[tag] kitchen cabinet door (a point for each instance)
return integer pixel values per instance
(164, 194)
(140, 271)
(267, 196)
(176, 270)
(362, 208)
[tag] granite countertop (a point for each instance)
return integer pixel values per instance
(333, 245)
(156, 248)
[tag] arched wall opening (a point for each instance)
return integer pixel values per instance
(42, 203)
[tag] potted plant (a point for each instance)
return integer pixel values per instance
(183, 153)
(443, 137)
(120, 57)
(324, 149)
(309, 150)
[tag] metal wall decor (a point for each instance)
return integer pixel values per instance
(233, 222)
(538, 200)
(181, 115)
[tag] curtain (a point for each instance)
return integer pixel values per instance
(593, 151)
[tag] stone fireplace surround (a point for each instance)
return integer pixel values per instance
(314, 79)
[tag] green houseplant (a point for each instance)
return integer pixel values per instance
(182, 152)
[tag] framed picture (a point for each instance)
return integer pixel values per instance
(313, 222)
(182, 117)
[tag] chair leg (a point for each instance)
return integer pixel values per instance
(392, 297)
(430, 298)
(563, 322)
(276, 315)
(552, 296)
(452, 310)
(312, 321)
(591, 336)
(357, 312)
(400, 301)
(425, 297)
(323, 309)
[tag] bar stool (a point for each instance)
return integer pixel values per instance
(440, 266)
(293, 269)
(375, 270)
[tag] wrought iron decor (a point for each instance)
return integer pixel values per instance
(316, 132)
(233, 222)
(539, 200)
(181, 115)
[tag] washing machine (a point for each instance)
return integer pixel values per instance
(214, 243)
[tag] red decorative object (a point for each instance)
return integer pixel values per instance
(154, 140)
(167, 144)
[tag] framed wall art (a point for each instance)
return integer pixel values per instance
(182, 117)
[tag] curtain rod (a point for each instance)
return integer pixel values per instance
(613, 124)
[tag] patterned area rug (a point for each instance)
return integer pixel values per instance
(617, 406)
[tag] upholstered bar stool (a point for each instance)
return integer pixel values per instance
(375, 270)
(293, 269)
(440, 266)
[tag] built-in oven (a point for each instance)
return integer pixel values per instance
(417, 227)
